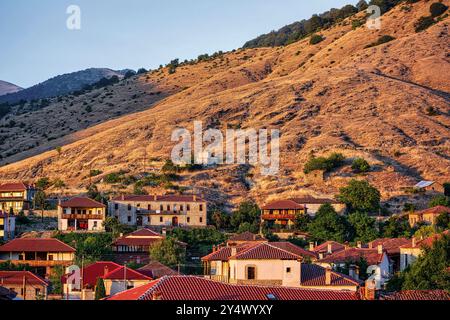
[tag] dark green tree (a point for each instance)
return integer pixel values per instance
(328, 225)
(360, 165)
(168, 252)
(363, 227)
(302, 222)
(439, 201)
(396, 227)
(249, 212)
(100, 290)
(360, 196)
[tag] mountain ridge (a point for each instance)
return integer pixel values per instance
(7, 88)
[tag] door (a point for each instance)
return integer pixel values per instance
(175, 221)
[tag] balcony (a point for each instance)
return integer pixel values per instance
(273, 217)
(40, 263)
(82, 216)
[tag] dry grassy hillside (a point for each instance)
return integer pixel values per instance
(337, 95)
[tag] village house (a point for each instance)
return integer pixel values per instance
(81, 214)
(122, 279)
(42, 255)
(427, 216)
(243, 238)
(7, 226)
(392, 247)
(379, 265)
(281, 214)
(160, 211)
(135, 247)
(410, 252)
(156, 270)
(176, 288)
(274, 263)
(25, 284)
(88, 276)
(18, 196)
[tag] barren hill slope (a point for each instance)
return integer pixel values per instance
(337, 95)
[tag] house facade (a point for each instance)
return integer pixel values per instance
(18, 196)
(281, 214)
(122, 279)
(81, 214)
(25, 284)
(160, 211)
(7, 226)
(427, 216)
(313, 204)
(42, 255)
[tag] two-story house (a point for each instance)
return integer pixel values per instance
(160, 211)
(81, 214)
(282, 213)
(42, 255)
(427, 216)
(25, 284)
(18, 196)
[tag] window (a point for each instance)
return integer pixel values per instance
(90, 211)
(201, 207)
(99, 212)
(251, 273)
(129, 218)
(95, 224)
(181, 207)
(288, 270)
(189, 219)
(201, 219)
(138, 205)
(161, 207)
(161, 219)
(168, 207)
(149, 207)
(50, 257)
(37, 292)
(129, 207)
(188, 207)
(116, 206)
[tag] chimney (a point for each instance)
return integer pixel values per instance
(195, 197)
(155, 197)
(359, 244)
(380, 249)
(370, 245)
(329, 249)
(320, 255)
(311, 246)
(164, 231)
(156, 295)
(233, 251)
(328, 276)
(413, 242)
(106, 271)
(370, 290)
(122, 197)
(214, 248)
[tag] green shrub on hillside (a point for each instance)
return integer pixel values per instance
(381, 40)
(321, 163)
(316, 38)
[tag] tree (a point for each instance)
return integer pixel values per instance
(100, 290)
(220, 219)
(58, 150)
(322, 163)
(59, 184)
(40, 200)
(316, 38)
(396, 227)
(249, 212)
(362, 5)
(360, 165)
(168, 252)
(363, 227)
(113, 225)
(360, 196)
(43, 184)
(430, 270)
(302, 221)
(328, 225)
(437, 8)
(447, 189)
(439, 201)
(424, 23)
(55, 279)
(443, 221)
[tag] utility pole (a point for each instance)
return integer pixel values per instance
(24, 287)
(125, 276)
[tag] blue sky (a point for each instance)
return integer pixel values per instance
(119, 34)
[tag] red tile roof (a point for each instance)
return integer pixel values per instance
(156, 269)
(223, 254)
(14, 186)
(193, 288)
(282, 205)
(164, 198)
(418, 295)
(82, 202)
(119, 274)
(17, 277)
(435, 210)
(94, 271)
(335, 246)
(354, 254)
(246, 236)
(314, 275)
(391, 245)
(145, 232)
(36, 245)
(265, 251)
(292, 248)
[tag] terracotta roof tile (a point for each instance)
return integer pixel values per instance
(82, 202)
(265, 251)
(292, 248)
(335, 246)
(417, 295)
(119, 274)
(354, 254)
(314, 275)
(156, 269)
(312, 200)
(164, 198)
(391, 245)
(435, 210)
(14, 186)
(94, 271)
(36, 245)
(17, 277)
(246, 236)
(195, 288)
(282, 205)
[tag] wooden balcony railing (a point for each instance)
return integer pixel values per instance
(278, 217)
(82, 216)
(40, 263)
